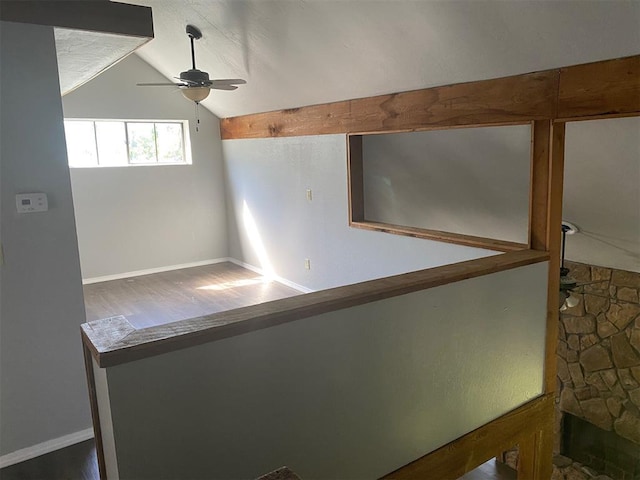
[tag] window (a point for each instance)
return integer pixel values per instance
(115, 143)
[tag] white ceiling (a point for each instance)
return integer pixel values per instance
(602, 192)
(303, 52)
(83, 54)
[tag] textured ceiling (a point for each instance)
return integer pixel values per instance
(295, 52)
(83, 54)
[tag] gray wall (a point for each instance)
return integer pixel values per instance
(137, 218)
(351, 394)
(473, 181)
(43, 387)
(602, 192)
(272, 224)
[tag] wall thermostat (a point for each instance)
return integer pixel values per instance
(31, 202)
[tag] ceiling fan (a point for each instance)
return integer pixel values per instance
(195, 84)
(567, 283)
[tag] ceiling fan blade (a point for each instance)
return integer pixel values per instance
(229, 81)
(190, 83)
(223, 87)
(158, 84)
(590, 283)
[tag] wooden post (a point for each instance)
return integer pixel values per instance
(545, 219)
(95, 415)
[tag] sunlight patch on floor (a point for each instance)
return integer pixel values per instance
(236, 283)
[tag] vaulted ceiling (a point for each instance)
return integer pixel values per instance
(303, 52)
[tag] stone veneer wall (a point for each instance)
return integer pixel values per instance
(599, 351)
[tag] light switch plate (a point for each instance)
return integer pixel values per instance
(31, 202)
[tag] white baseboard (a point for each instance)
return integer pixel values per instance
(278, 279)
(45, 447)
(137, 273)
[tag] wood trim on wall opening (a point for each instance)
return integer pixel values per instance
(358, 218)
(441, 236)
(355, 178)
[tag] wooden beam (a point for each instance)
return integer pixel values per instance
(110, 346)
(500, 101)
(441, 236)
(355, 174)
(93, 15)
(466, 453)
(602, 89)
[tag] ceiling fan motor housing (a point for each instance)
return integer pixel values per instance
(195, 75)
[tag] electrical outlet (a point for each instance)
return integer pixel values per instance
(309, 195)
(307, 264)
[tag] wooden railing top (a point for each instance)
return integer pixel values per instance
(114, 341)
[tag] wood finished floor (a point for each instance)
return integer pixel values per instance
(159, 298)
(492, 470)
(78, 462)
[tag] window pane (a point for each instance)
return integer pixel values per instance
(169, 142)
(142, 143)
(112, 143)
(81, 144)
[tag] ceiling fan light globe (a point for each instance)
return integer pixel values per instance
(196, 94)
(572, 300)
(562, 305)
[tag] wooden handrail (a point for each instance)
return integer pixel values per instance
(114, 341)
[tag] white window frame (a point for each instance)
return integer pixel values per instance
(186, 144)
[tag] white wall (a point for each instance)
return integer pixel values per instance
(602, 192)
(351, 394)
(43, 387)
(137, 218)
(473, 181)
(279, 228)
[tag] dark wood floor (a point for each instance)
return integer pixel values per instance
(78, 462)
(160, 298)
(492, 470)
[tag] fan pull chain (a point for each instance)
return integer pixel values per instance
(197, 116)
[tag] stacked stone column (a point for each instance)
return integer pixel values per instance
(599, 351)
